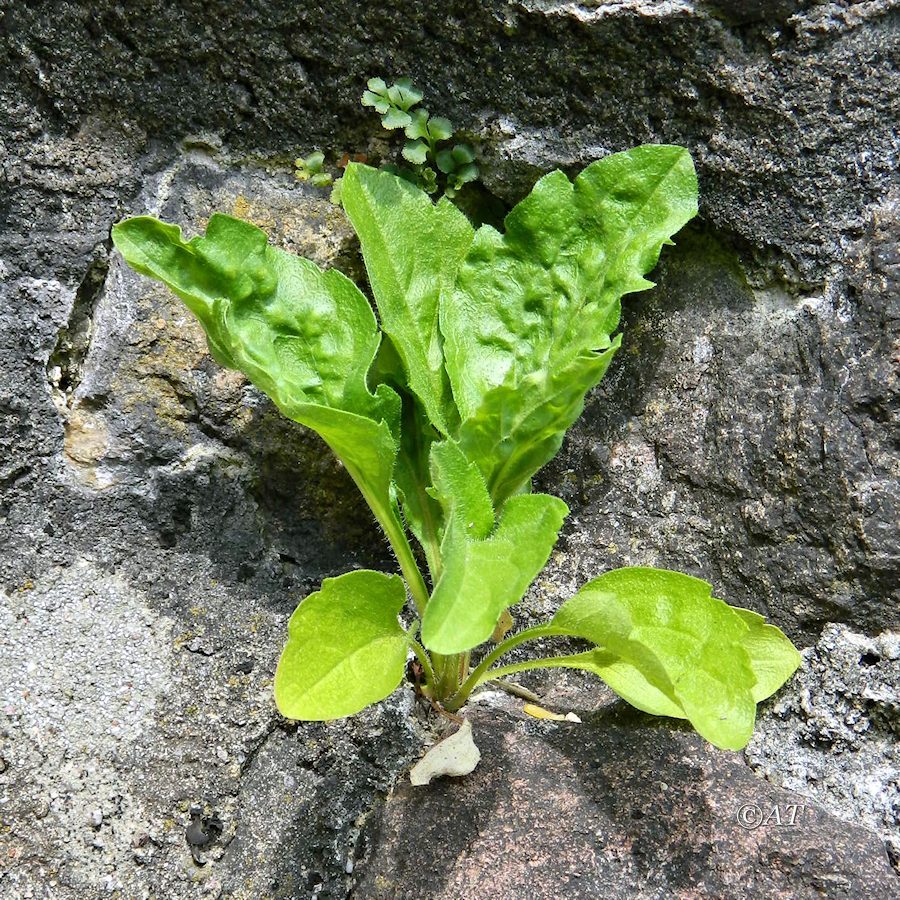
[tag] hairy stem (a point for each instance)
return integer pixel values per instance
(446, 670)
(544, 663)
(424, 661)
(477, 675)
(409, 567)
(402, 550)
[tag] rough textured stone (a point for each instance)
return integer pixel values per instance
(613, 809)
(785, 104)
(748, 436)
(832, 733)
(159, 521)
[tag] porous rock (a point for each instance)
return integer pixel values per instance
(832, 733)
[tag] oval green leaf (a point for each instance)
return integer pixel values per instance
(669, 647)
(345, 649)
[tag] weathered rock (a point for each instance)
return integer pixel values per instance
(786, 105)
(832, 733)
(144, 571)
(159, 521)
(748, 436)
(613, 808)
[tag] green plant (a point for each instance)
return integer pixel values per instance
(428, 160)
(312, 169)
(487, 345)
(424, 136)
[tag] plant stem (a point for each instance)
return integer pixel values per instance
(400, 545)
(408, 565)
(446, 669)
(545, 663)
(478, 674)
(424, 662)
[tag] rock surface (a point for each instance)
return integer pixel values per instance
(159, 521)
(832, 733)
(613, 808)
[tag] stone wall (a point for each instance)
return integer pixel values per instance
(159, 521)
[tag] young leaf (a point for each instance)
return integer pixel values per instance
(415, 152)
(379, 104)
(467, 173)
(463, 154)
(412, 248)
(459, 488)
(485, 568)
(395, 118)
(345, 649)
(403, 94)
(544, 296)
(418, 126)
(458, 161)
(439, 128)
(335, 195)
(445, 161)
(303, 336)
(669, 647)
(311, 169)
(426, 179)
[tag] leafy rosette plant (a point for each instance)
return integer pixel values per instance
(442, 410)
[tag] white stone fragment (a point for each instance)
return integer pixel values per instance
(455, 755)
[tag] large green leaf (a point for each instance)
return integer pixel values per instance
(521, 424)
(773, 657)
(531, 308)
(412, 249)
(485, 568)
(345, 649)
(306, 337)
(667, 646)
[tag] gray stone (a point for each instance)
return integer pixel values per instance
(787, 114)
(159, 521)
(832, 733)
(143, 570)
(748, 436)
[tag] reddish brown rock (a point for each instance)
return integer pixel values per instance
(618, 808)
